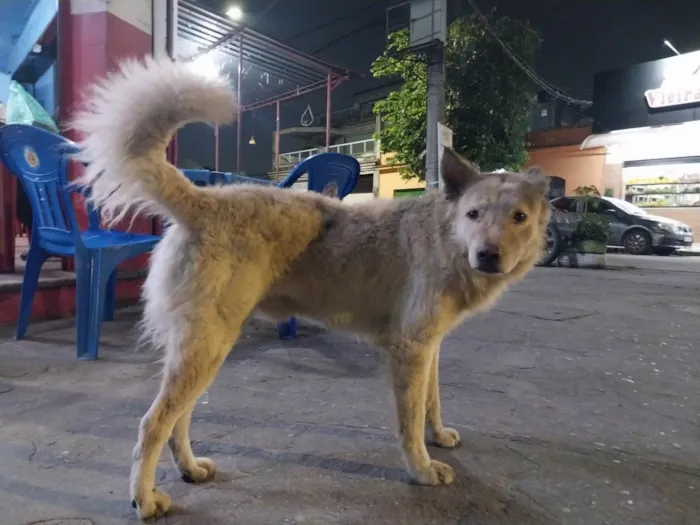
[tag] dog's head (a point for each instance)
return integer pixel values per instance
(500, 218)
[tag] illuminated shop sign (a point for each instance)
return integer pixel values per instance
(681, 86)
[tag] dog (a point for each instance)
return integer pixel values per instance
(399, 273)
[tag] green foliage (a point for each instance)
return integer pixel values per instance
(591, 227)
(590, 196)
(488, 98)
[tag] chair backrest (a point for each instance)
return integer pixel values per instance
(333, 174)
(39, 159)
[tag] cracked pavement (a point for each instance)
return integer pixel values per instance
(577, 400)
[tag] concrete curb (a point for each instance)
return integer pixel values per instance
(677, 253)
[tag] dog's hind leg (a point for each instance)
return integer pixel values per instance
(436, 432)
(189, 370)
(410, 370)
(192, 469)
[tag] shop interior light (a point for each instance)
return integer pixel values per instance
(671, 47)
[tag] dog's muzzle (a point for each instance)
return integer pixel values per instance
(488, 260)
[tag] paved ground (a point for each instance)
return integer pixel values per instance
(577, 400)
(654, 262)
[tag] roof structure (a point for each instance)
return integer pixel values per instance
(270, 71)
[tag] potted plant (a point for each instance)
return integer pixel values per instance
(589, 239)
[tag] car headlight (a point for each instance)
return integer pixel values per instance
(665, 228)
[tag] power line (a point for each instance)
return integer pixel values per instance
(265, 10)
(348, 34)
(542, 83)
(332, 21)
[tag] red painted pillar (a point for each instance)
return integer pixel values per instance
(8, 197)
(93, 38)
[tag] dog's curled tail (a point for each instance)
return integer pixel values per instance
(126, 124)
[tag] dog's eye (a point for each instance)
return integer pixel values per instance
(519, 217)
(473, 214)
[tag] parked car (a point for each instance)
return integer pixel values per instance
(632, 228)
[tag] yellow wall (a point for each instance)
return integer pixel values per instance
(391, 180)
(577, 167)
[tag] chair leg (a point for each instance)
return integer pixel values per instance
(287, 329)
(32, 269)
(83, 274)
(111, 297)
(99, 279)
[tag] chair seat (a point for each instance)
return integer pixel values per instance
(101, 239)
(98, 240)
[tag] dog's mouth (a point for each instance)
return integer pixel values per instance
(489, 272)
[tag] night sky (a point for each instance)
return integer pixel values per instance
(580, 38)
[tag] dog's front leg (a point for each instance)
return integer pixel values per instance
(410, 370)
(436, 432)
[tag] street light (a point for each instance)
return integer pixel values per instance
(670, 46)
(234, 13)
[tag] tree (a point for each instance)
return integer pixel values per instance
(488, 97)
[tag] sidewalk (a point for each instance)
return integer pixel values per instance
(577, 401)
(693, 250)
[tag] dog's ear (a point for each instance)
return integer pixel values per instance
(457, 174)
(538, 179)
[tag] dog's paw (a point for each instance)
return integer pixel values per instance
(154, 506)
(203, 471)
(446, 438)
(438, 473)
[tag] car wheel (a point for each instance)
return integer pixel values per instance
(637, 242)
(553, 245)
(664, 251)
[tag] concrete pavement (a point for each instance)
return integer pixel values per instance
(577, 400)
(653, 262)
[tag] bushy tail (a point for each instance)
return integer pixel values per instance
(127, 122)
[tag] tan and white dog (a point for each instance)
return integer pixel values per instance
(400, 273)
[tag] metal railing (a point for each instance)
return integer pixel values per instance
(295, 157)
(356, 149)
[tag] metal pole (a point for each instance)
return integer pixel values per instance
(277, 143)
(171, 29)
(436, 113)
(328, 112)
(239, 120)
(216, 148)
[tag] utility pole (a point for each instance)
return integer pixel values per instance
(436, 115)
(426, 21)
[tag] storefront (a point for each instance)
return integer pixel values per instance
(647, 117)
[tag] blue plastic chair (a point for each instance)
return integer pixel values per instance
(208, 178)
(332, 173)
(38, 158)
(212, 178)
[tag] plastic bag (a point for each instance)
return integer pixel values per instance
(22, 108)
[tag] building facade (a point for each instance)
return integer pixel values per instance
(647, 117)
(641, 145)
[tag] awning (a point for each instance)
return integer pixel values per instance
(647, 135)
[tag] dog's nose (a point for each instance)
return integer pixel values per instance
(489, 260)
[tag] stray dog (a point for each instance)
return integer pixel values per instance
(401, 273)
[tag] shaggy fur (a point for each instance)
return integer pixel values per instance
(400, 273)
